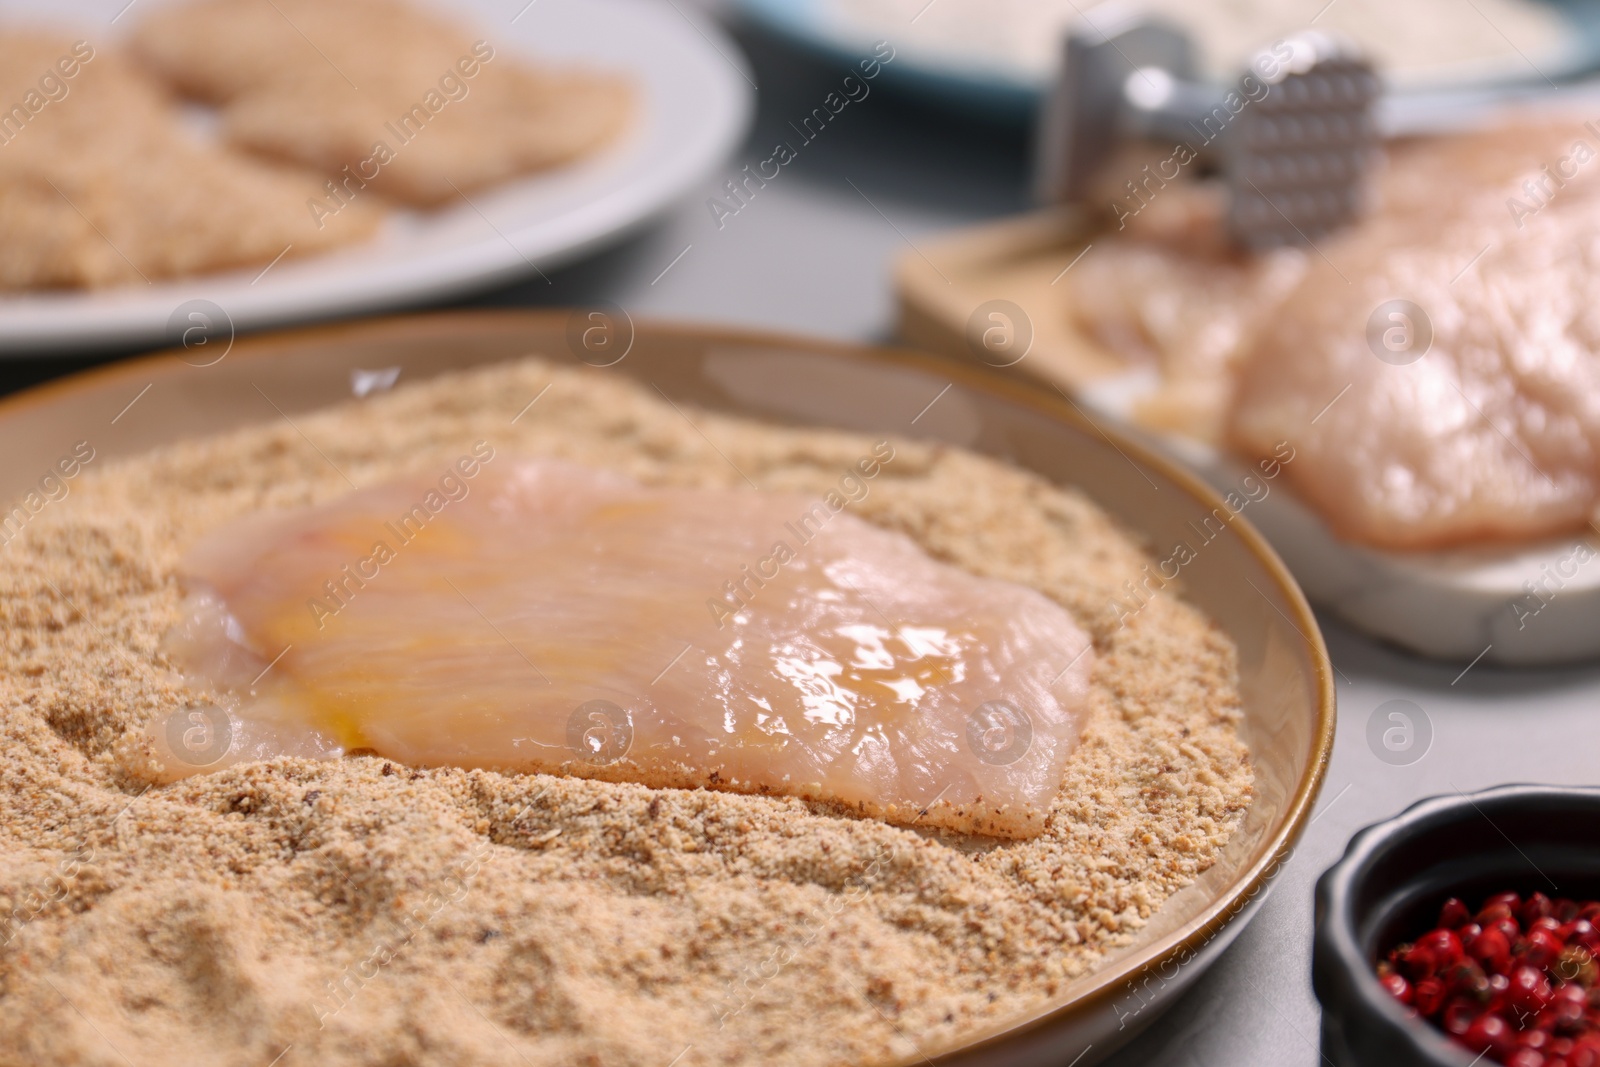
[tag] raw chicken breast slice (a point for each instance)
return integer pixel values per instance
(542, 616)
(1475, 415)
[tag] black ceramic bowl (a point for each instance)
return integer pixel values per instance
(1396, 874)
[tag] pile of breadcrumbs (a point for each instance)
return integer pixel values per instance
(359, 912)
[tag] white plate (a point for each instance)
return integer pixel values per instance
(696, 105)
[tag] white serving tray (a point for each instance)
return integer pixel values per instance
(1531, 604)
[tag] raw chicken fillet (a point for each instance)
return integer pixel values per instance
(1470, 413)
(547, 617)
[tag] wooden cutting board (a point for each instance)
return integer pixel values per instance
(996, 294)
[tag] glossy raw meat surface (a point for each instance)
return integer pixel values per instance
(559, 619)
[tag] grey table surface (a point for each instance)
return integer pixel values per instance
(812, 252)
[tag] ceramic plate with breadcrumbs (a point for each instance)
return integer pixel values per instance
(306, 160)
(546, 688)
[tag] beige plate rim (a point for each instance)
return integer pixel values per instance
(1094, 992)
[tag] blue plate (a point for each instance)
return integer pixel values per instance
(977, 91)
(997, 95)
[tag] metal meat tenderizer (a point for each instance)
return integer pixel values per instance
(1294, 138)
